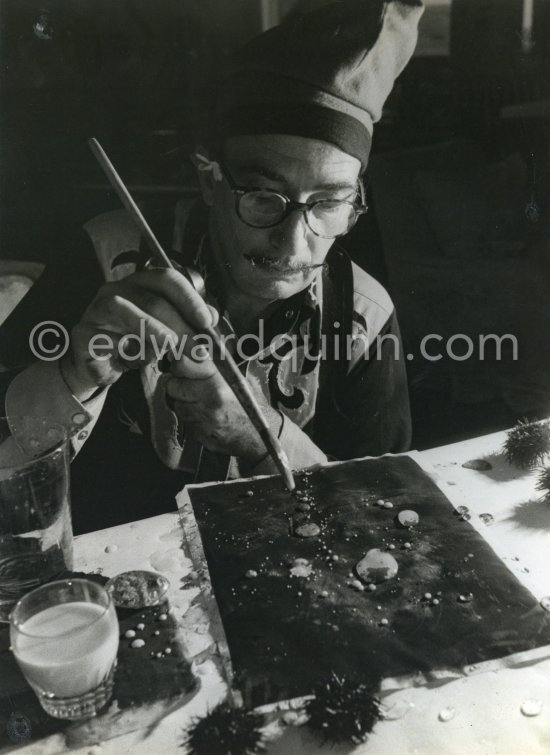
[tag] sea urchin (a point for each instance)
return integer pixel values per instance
(343, 710)
(226, 731)
(543, 483)
(527, 444)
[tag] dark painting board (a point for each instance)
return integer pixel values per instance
(284, 632)
(146, 688)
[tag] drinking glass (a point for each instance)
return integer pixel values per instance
(64, 636)
(36, 538)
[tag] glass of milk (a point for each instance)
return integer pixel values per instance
(64, 636)
(36, 538)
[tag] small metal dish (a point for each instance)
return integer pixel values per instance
(138, 589)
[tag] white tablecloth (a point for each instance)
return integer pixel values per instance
(487, 706)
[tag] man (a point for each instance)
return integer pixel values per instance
(281, 178)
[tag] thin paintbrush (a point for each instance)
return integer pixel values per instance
(221, 357)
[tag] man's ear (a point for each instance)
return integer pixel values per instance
(208, 173)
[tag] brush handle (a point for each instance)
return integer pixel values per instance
(126, 199)
(221, 357)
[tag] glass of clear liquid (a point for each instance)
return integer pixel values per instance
(36, 538)
(64, 636)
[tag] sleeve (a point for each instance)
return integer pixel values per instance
(36, 389)
(370, 413)
(38, 396)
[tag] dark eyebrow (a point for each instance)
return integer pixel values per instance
(336, 185)
(261, 170)
(271, 175)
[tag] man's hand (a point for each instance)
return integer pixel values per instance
(131, 323)
(202, 399)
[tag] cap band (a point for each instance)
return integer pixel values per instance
(310, 121)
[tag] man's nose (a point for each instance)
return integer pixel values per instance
(291, 234)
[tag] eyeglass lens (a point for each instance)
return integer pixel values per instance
(327, 218)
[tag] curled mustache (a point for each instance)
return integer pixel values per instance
(279, 265)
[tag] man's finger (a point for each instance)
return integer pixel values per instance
(176, 289)
(185, 390)
(114, 306)
(187, 368)
(192, 390)
(126, 325)
(215, 315)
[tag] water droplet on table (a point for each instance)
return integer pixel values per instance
(446, 714)
(408, 518)
(301, 570)
(487, 519)
(377, 566)
(531, 707)
(111, 548)
(479, 465)
(396, 711)
(545, 603)
(309, 529)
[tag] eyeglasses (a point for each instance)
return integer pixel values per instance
(327, 218)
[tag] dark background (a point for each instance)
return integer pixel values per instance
(463, 146)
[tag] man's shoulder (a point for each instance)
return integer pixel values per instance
(372, 305)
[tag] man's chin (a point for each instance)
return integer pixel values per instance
(278, 284)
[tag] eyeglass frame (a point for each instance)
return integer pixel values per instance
(291, 205)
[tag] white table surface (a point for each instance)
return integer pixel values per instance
(488, 718)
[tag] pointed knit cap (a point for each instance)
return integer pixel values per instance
(324, 74)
